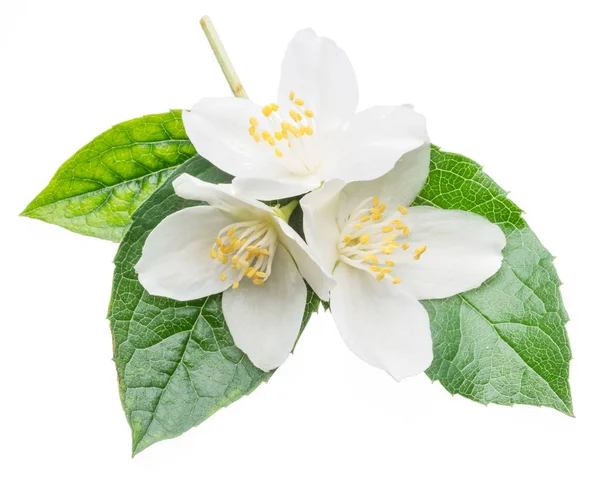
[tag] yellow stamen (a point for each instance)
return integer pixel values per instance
(308, 113)
(364, 239)
(396, 280)
(308, 130)
(373, 268)
(380, 276)
(254, 121)
(223, 277)
(235, 285)
(390, 263)
(218, 241)
(250, 272)
(230, 232)
(405, 246)
(292, 95)
(419, 251)
(251, 130)
(357, 226)
(258, 281)
(367, 257)
(260, 275)
(387, 229)
(347, 239)
(267, 110)
(213, 253)
(299, 102)
(386, 270)
(365, 218)
(375, 201)
(278, 136)
(274, 107)
(402, 210)
(256, 137)
(278, 153)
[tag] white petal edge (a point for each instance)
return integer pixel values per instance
(176, 262)
(265, 320)
(274, 189)
(380, 323)
(319, 72)
(400, 186)
(221, 196)
(318, 278)
(322, 233)
(374, 141)
(218, 129)
(463, 250)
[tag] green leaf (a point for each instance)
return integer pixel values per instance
(176, 361)
(504, 342)
(97, 190)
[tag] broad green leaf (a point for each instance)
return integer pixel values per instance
(97, 190)
(176, 361)
(504, 342)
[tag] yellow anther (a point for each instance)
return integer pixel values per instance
(223, 277)
(285, 126)
(252, 249)
(235, 285)
(299, 102)
(289, 144)
(374, 260)
(267, 110)
(218, 241)
(258, 281)
(260, 275)
(389, 238)
(309, 113)
(251, 130)
(295, 116)
(213, 253)
(365, 218)
(278, 153)
(250, 272)
(264, 252)
(227, 249)
(309, 131)
(220, 254)
(380, 276)
(405, 246)
(274, 107)
(396, 280)
(225, 260)
(419, 251)
(405, 232)
(357, 226)
(373, 268)
(367, 257)
(364, 238)
(230, 232)
(387, 229)
(254, 121)
(390, 263)
(347, 239)
(386, 250)
(375, 201)
(402, 210)
(278, 136)
(375, 217)
(292, 95)
(386, 270)
(396, 222)
(256, 137)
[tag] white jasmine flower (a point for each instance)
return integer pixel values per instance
(385, 256)
(310, 135)
(246, 250)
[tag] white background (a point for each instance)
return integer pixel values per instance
(511, 84)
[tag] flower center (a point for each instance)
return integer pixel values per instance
(245, 249)
(287, 137)
(372, 235)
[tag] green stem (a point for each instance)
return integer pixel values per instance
(286, 211)
(224, 62)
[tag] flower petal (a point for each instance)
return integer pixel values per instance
(322, 234)
(218, 129)
(319, 280)
(273, 189)
(221, 196)
(176, 261)
(463, 250)
(380, 323)
(400, 186)
(265, 320)
(320, 73)
(374, 141)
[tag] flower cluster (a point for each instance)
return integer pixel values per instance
(367, 251)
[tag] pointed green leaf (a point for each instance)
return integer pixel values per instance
(504, 342)
(97, 190)
(176, 361)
